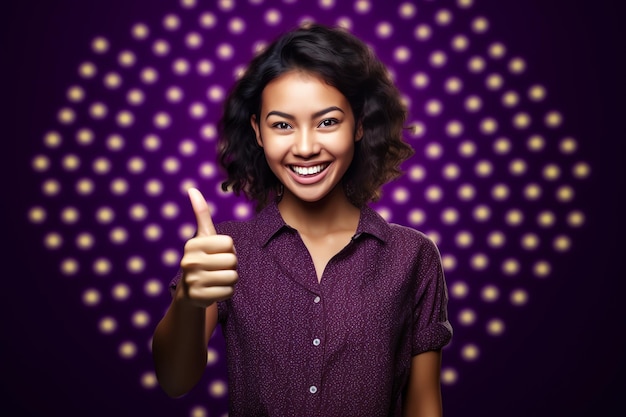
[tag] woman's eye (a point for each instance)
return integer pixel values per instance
(328, 122)
(281, 125)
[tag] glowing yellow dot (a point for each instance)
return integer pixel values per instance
(193, 40)
(434, 193)
(551, 172)
(148, 380)
(154, 187)
(467, 317)
(204, 67)
(422, 32)
(52, 139)
(126, 59)
(459, 289)
(553, 119)
(75, 94)
(541, 269)
(467, 148)
(496, 239)
(521, 120)
(532, 191)
(476, 64)
(107, 325)
(112, 80)
(416, 217)
(152, 232)
(496, 50)
(562, 243)
(151, 142)
(502, 146)
(450, 216)
(162, 120)
(87, 70)
(85, 241)
(160, 47)
(454, 128)
(480, 25)
(510, 266)
(443, 17)
(171, 22)
(149, 75)
(70, 215)
(514, 217)
(546, 219)
(170, 257)
(451, 171)
(417, 173)
(225, 51)
(407, 10)
(174, 94)
(198, 411)
(66, 116)
(140, 31)
(479, 261)
(236, 25)
(101, 165)
(119, 186)
(460, 43)
(453, 85)
(519, 297)
(40, 163)
(470, 352)
(189, 4)
(153, 287)
(120, 292)
(37, 215)
(102, 266)
(118, 235)
(449, 376)
(135, 97)
(494, 82)
(495, 327)
(420, 80)
(530, 241)
(517, 65)
(362, 6)
(51, 187)
(473, 103)
(483, 168)
(125, 118)
(207, 20)
(273, 17)
(565, 193)
(186, 231)
(402, 54)
(434, 107)
(91, 297)
(187, 147)
(510, 99)
(53, 240)
(218, 389)
(105, 215)
(70, 162)
(576, 218)
(69, 266)
(197, 110)
(209, 132)
(171, 165)
(465, 4)
(140, 319)
(488, 126)
(401, 195)
(568, 145)
(207, 170)
(466, 192)
(463, 239)
(518, 167)
(490, 293)
(537, 93)
(127, 350)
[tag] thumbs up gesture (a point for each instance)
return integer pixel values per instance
(209, 263)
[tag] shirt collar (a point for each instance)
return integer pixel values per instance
(269, 223)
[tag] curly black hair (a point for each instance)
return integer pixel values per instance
(342, 61)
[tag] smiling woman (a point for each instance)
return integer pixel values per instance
(326, 309)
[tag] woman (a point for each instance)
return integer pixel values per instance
(326, 309)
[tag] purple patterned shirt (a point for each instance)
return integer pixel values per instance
(340, 347)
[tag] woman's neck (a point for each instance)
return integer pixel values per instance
(331, 214)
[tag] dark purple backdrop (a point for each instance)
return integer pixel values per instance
(563, 357)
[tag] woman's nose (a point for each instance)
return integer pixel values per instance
(305, 144)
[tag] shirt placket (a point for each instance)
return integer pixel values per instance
(315, 346)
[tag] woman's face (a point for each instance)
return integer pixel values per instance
(307, 131)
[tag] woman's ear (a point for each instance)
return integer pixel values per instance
(358, 135)
(257, 130)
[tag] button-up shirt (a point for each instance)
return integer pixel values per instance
(341, 346)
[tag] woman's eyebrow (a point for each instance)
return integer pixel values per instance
(314, 116)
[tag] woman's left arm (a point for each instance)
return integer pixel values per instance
(423, 396)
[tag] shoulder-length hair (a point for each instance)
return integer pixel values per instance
(344, 62)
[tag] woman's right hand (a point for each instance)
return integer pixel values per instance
(209, 262)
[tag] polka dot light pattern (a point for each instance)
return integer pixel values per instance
(493, 181)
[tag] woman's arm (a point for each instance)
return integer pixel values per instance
(179, 345)
(423, 396)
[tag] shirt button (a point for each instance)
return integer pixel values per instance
(316, 342)
(317, 299)
(312, 389)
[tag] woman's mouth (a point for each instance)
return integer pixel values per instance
(308, 171)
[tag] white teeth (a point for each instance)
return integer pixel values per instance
(308, 170)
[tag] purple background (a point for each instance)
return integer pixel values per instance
(565, 357)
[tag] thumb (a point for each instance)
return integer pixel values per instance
(202, 212)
